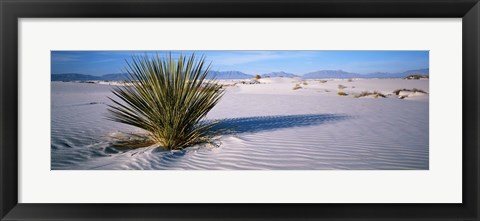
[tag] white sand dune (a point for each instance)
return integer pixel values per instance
(272, 127)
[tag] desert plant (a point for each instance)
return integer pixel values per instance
(305, 83)
(397, 92)
(341, 93)
(296, 87)
(419, 90)
(415, 90)
(258, 76)
(378, 94)
(416, 77)
(362, 94)
(322, 81)
(375, 94)
(341, 87)
(168, 98)
(350, 80)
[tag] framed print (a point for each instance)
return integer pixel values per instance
(318, 110)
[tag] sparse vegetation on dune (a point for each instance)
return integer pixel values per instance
(251, 81)
(416, 77)
(168, 98)
(322, 81)
(414, 90)
(418, 90)
(296, 87)
(341, 87)
(341, 93)
(350, 80)
(407, 93)
(375, 94)
(257, 77)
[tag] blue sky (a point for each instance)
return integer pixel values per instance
(251, 62)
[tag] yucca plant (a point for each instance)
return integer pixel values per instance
(169, 98)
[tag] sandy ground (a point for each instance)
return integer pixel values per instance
(280, 123)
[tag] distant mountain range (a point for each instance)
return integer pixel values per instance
(123, 76)
(228, 75)
(86, 77)
(344, 74)
(241, 75)
(329, 74)
(278, 74)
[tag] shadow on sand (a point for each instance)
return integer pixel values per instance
(259, 124)
(268, 123)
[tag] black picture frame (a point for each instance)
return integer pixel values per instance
(11, 11)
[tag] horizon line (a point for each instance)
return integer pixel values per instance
(286, 72)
